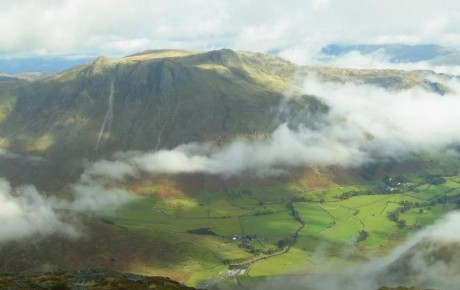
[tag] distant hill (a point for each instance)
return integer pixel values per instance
(399, 53)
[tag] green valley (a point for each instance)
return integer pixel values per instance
(279, 230)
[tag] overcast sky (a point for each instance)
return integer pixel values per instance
(293, 28)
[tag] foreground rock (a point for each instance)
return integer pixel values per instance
(93, 279)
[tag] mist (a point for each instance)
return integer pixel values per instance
(26, 213)
(364, 123)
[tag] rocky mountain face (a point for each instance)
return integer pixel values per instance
(161, 99)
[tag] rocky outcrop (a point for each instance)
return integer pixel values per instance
(91, 279)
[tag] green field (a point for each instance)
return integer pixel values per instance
(245, 224)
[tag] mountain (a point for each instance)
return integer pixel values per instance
(146, 101)
(161, 99)
(151, 100)
(400, 53)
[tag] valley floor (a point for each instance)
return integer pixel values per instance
(245, 233)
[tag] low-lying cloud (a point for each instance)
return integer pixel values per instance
(364, 123)
(24, 212)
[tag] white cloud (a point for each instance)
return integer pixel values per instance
(121, 27)
(114, 170)
(94, 197)
(24, 212)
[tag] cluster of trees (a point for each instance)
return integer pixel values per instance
(394, 216)
(300, 199)
(434, 179)
(295, 214)
(202, 231)
(246, 244)
(349, 194)
(250, 248)
(284, 243)
(289, 241)
(264, 212)
(405, 206)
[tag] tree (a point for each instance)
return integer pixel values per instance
(394, 216)
(402, 223)
(282, 243)
(202, 231)
(363, 234)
